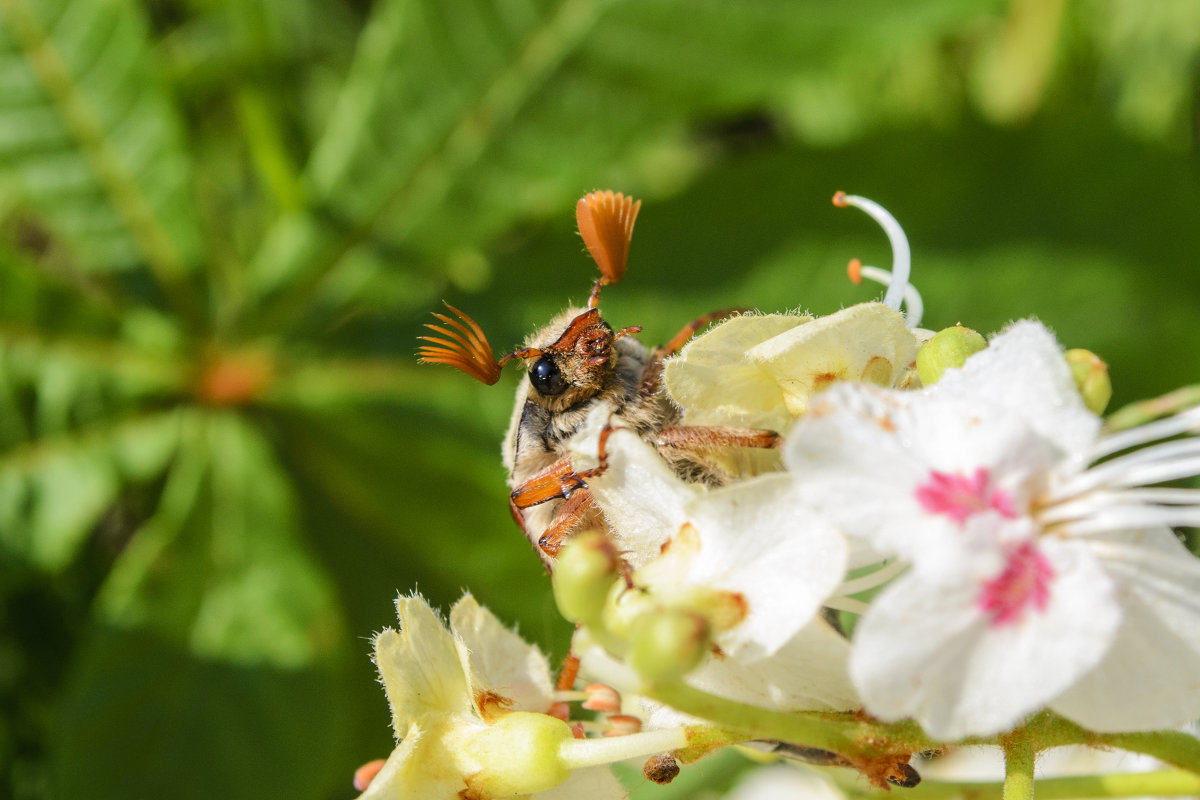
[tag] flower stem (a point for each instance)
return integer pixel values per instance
(1174, 747)
(844, 734)
(1165, 783)
(1019, 757)
(576, 753)
(1144, 411)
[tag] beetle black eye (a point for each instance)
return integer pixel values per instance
(546, 378)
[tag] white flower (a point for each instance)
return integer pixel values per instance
(1035, 580)
(747, 556)
(468, 712)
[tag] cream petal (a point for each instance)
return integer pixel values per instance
(863, 343)
(717, 383)
(399, 774)
(498, 660)
(419, 666)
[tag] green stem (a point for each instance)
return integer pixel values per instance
(1144, 411)
(268, 151)
(1166, 783)
(838, 733)
(1173, 747)
(1019, 758)
(576, 753)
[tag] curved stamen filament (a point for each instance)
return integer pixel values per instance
(1155, 464)
(914, 306)
(1090, 503)
(901, 257)
(846, 604)
(872, 579)
(1183, 422)
(1125, 518)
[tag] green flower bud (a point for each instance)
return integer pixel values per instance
(948, 348)
(583, 575)
(1091, 378)
(666, 645)
(518, 755)
(625, 606)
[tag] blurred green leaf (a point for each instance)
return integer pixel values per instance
(53, 491)
(221, 568)
(88, 139)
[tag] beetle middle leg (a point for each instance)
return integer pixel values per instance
(700, 437)
(560, 480)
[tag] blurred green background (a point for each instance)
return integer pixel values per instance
(223, 222)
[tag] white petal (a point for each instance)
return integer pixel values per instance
(925, 649)
(498, 660)
(757, 541)
(784, 782)
(419, 666)
(1150, 678)
(1023, 370)
(641, 497)
(807, 673)
(586, 784)
(861, 454)
(715, 381)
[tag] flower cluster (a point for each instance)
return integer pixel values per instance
(952, 536)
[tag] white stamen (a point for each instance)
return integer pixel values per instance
(1135, 517)
(1102, 500)
(901, 258)
(872, 579)
(914, 307)
(1150, 465)
(846, 604)
(1184, 422)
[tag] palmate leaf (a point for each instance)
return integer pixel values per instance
(88, 142)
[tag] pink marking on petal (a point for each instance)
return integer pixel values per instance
(959, 496)
(1023, 585)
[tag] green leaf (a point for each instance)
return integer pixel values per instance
(431, 85)
(55, 490)
(460, 118)
(221, 568)
(88, 140)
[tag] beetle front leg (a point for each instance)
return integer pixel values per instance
(557, 480)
